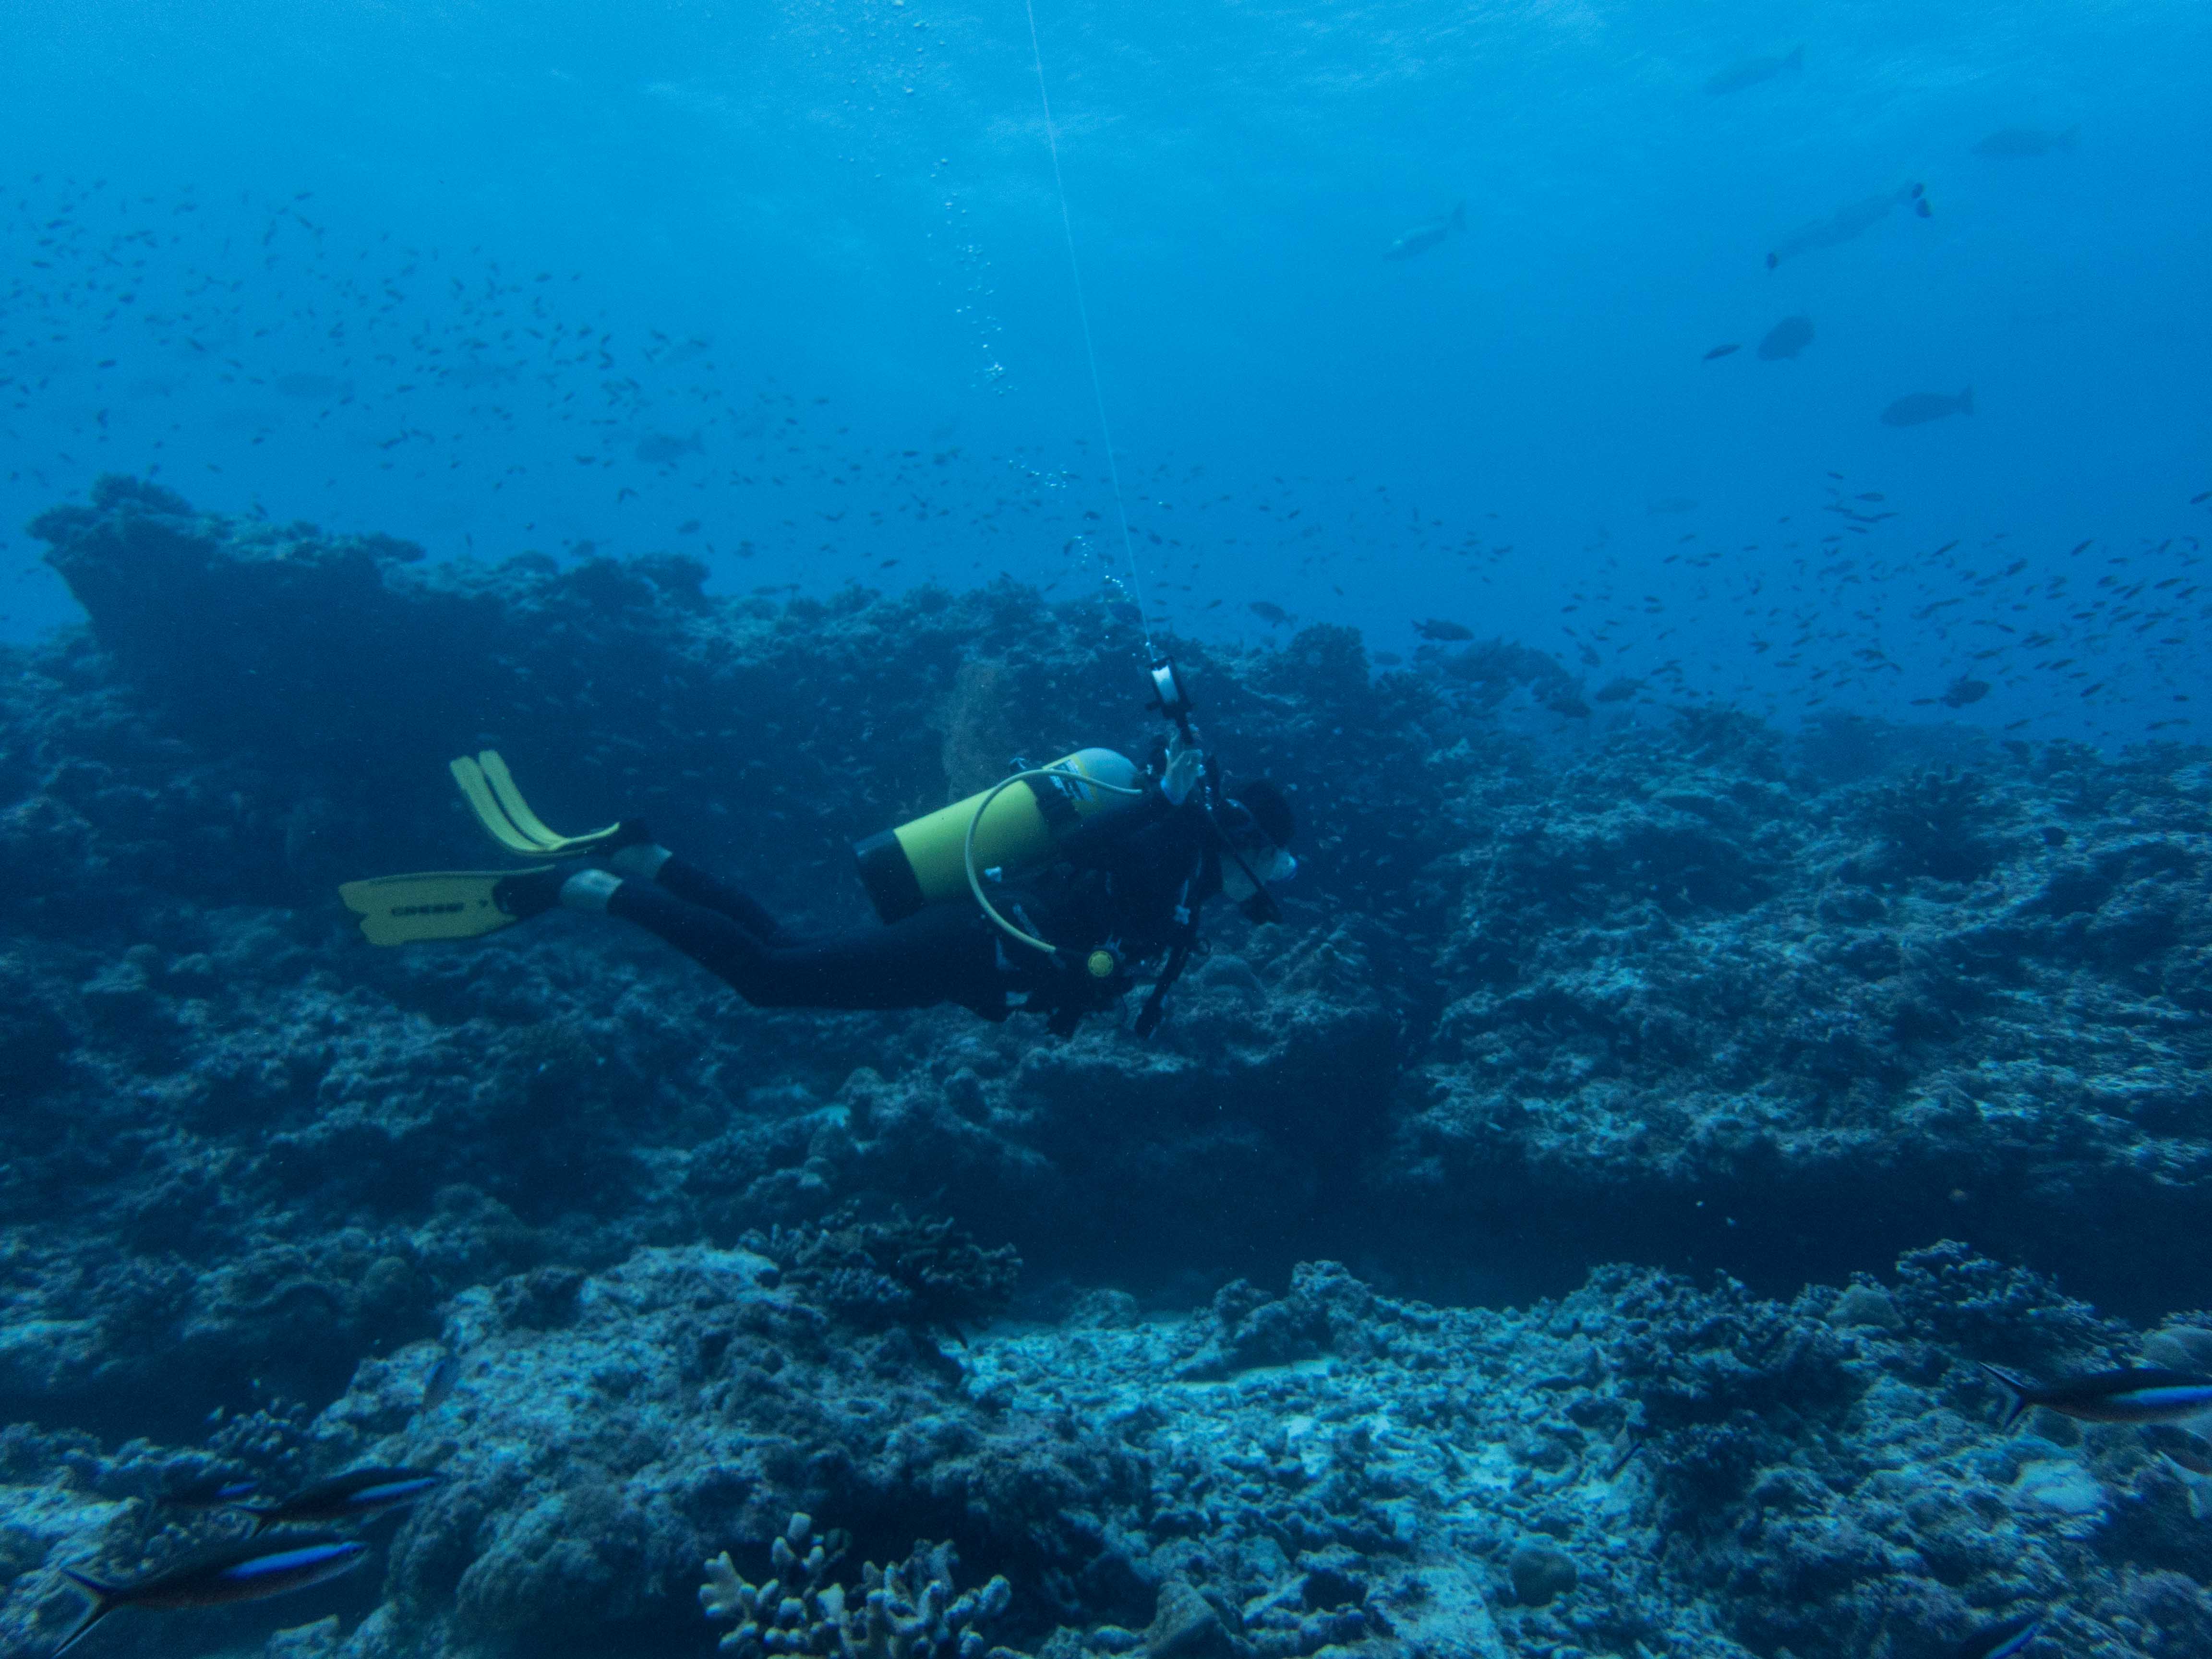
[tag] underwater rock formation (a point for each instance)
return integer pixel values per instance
(1699, 993)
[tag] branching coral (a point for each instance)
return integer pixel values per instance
(928, 1274)
(1936, 824)
(906, 1610)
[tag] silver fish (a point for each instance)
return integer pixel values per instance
(658, 448)
(1431, 232)
(1848, 222)
(1786, 338)
(314, 388)
(446, 1376)
(1752, 71)
(2015, 144)
(1922, 407)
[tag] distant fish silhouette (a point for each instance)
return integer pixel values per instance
(1752, 71)
(1848, 222)
(1786, 338)
(313, 388)
(1441, 629)
(1963, 690)
(1722, 351)
(1922, 407)
(1269, 612)
(2015, 143)
(658, 448)
(1430, 233)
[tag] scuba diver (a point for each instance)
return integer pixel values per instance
(1041, 893)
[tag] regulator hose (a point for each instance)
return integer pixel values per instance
(967, 845)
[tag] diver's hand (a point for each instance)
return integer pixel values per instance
(1186, 766)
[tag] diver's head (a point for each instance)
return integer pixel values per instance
(1259, 823)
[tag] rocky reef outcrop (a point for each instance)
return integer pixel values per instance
(1680, 989)
(1557, 988)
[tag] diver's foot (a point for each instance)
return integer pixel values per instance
(631, 851)
(531, 892)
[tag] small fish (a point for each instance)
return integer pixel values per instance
(445, 1376)
(1752, 71)
(1430, 233)
(312, 388)
(1964, 691)
(2198, 1483)
(1922, 407)
(1268, 612)
(356, 1495)
(1721, 352)
(658, 448)
(209, 1492)
(2015, 143)
(1617, 690)
(2000, 1640)
(245, 1570)
(2139, 1394)
(1437, 627)
(1786, 339)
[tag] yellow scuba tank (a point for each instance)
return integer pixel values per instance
(1021, 823)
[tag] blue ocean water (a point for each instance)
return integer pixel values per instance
(787, 287)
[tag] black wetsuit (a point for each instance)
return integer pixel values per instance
(1136, 889)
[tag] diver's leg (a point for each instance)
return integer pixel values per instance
(942, 955)
(695, 886)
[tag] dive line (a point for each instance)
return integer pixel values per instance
(1089, 348)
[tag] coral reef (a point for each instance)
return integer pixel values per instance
(1559, 987)
(928, 1274)
(1647, 1462)
(906, 1610)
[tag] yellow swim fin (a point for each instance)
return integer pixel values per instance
(489, 788)
(432, 904)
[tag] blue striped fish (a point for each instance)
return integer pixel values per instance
(356, 1495)
(243, 1571)
(2140, 1394)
